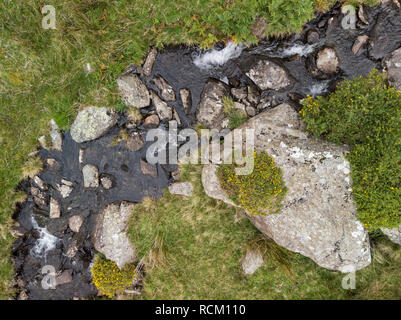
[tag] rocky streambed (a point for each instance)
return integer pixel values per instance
(80, 202)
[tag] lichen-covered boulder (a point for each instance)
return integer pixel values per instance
(109, 235)
(318, 217)
(91, 123)
(267, 75)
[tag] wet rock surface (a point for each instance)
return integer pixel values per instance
(124, 176)
(392, 63)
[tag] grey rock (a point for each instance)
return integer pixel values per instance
(91, 176)
(151, 121)
(132, 91)
(177, 117)
(252, 261)
(91, 123)
(55, 210)
(250, 111)
(359, 43)
(327, 61)
(318, 217)
(393, 234)
(186, 99)
(163, 110)
(106, 182)
(55, 136)
(392, 63)
(239, 93)
(64, 189)
(39, 197)
(40, 183)
(181, 188)
(42, 142)
(361, 15)
(148, 169)
(75, 222)
(166, 91)
(110, 236)
(150, 60)
(210, 111)
(268, 75)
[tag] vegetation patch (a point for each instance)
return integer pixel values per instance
(260, 192)
(194, 247)
(235, 116)
(365, 113)
(109, 279)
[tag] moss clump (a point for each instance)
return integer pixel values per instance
(365, 113)
(109, 279)
(261, 191)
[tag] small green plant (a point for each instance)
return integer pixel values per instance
(366, 114)
(235, 116)
(260, 192)
(109, 279)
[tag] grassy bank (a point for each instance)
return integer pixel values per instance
(43, 73)
(194, 248)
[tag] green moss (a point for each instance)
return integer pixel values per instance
(366, 114)
(260, 192)
(109, 279)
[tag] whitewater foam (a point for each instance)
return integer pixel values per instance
(215, 58)
(46, 241)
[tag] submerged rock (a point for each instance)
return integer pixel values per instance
(393, 234)
(253, 260)
(210, 111)
(91, 123)
(55, 210)
(148, 169)
(75, 222)
(151, 121)
(110, 236)
(132, 91)
(163, 110)
(166, 91)
(267, 75)
(327, 61)
(393, 65)
(318, 217)
(181, 188)
(91, 176)
(186, 100)
(359, 43)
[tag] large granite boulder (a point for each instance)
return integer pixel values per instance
(267, 75)
(318, 218)
(392, 63)
(91, 123)
(210, 111)
(109, 235)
